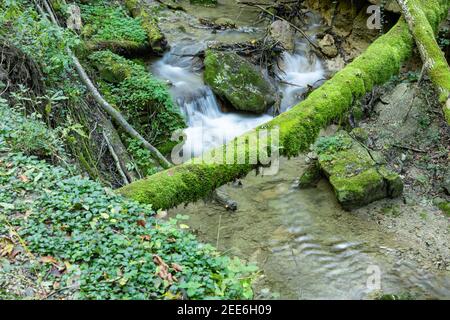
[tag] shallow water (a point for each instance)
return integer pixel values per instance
(306, 246)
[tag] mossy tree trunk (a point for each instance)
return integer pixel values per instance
(299, 126)
(414, 12)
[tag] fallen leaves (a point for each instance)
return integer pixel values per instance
(177, 267)
(141, 223)
(24, 178)
(58, 268)
(6, 247)
(163, 269)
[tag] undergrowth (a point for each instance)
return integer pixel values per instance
(93, 241)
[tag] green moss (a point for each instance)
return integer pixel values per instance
(300, 126)
(108, 26)
(310, 176)
(445, 207)
(354, 175)
(206, 3)
(238, 81)
(361, 189)
(425, 22)
(149, 23)
(111, 67)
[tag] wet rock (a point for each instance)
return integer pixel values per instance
(356, 178)
(282, 32)
(310, 176)
(237, 81)
(328, 46)
(225, 23)
(360, 134)
(390, 5)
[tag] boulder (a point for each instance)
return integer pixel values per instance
(356, 178)
(225, 23)
(237, 81)
(310, 176)
(328, 46)
(390, 5)
(282, 32)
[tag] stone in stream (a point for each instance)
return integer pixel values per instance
(356, 178)
(310, 176)
(328, 46)
(237, 81)
(282, 32)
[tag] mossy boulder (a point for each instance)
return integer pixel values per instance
(237, 81)
(111, 67)
(310, 176)
(356, 178)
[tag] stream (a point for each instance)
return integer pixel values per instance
(305, 245)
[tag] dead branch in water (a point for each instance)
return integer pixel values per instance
(314, 46)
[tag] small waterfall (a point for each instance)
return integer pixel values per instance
(199, 105)
(208, 125)
(296, 72)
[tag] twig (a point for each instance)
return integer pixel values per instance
(409, 148)
(313, 45)
(116, 159)
(218, 232)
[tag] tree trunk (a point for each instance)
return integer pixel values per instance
(117, 149)
(298, 127)
(414, 12)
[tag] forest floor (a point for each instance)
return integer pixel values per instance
(407, 127)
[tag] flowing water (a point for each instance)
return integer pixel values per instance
(304, 244)
(208, 125)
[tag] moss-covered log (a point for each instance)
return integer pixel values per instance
(299, 126)
(433, 58)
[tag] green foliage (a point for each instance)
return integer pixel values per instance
(28, 135)
(331, 144)
(143, 99)
(104, 21)
(142, 157)
(39, 38)
(109, 246)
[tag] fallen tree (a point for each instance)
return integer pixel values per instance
(415, 13)
(298, 127)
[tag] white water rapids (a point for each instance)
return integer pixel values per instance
(208, 125)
